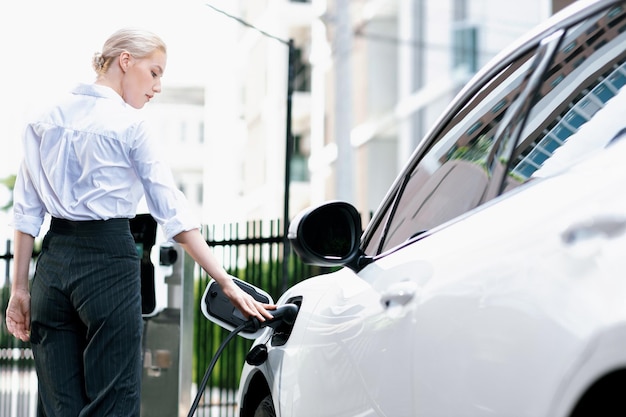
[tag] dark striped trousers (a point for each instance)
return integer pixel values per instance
(86, 321)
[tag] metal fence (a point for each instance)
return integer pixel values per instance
(252, 251)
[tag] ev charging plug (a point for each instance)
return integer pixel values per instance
(284, 314)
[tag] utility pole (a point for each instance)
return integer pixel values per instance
(288, 138)
(288, 155)
(343, 101)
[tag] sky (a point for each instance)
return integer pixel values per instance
(47, 47)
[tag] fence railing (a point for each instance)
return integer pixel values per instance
(252, 251)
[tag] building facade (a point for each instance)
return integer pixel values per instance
(369, 78)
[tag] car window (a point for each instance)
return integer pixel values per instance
(580, 104)
(451, 177)
(475, 158)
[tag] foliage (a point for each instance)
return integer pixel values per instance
(209, 336)
(8, 182)
(476, 151)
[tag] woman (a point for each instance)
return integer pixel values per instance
(87, 163)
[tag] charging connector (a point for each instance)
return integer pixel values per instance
(284, 314)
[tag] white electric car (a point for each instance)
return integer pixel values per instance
(491, 281)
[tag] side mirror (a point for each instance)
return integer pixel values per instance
(327, 235)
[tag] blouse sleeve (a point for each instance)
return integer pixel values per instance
(165, 201)
(28, 210)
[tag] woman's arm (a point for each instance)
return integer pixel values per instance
(18, 309)
(194, 244)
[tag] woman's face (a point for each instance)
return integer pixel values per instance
(142, 78)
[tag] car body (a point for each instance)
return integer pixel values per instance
(490, 281)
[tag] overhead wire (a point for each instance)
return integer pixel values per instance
(358, 32)
(246, 24)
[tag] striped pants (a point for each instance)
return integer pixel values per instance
(86, 322)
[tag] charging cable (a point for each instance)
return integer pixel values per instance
(284, 314)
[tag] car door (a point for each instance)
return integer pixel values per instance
(459, 173)
(486, 292)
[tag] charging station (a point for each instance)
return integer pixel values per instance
(167, 310)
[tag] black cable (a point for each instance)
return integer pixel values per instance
(284, 314)
(244, 23)
(218, 353)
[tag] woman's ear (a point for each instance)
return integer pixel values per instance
(124, 60)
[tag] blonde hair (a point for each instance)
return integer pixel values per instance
(139, 43)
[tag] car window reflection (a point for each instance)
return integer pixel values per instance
(453, 176)
(583, 85)
(575, 111)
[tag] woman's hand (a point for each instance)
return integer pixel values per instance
(195, 245)
(245, 303)
(18, 315)
(18, 309)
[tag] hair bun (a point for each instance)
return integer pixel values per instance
(98, 61)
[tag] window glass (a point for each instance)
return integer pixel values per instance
(582, 113)
(578, 108)
(452, 176)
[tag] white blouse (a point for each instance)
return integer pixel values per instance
(92, 157)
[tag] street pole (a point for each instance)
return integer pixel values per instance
(288, 139)
(288, 155)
